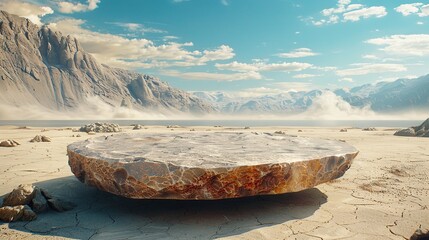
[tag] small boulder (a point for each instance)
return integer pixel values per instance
(22, 195)
(39, 203)
(137, 127)
(343, 130)
(246, 127)
(9, 143)
(420, 235)
(279, 132)
(28, 214)
(11, 214)
(41, 138)
(408, 132)
(299, 130)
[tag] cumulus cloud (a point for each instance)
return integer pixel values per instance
(345, 80)
(367, 68)
(123, 52)
(28, 10)
(346, 11)
(70, 7)
(263, 66)
(359, 14)
(403, 45)
(213, 76)
(422, 10)
(298, 53)
(300, 76)
(137, 27)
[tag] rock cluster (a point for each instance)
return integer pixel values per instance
(26, 200)
(9, 143)
(201, 165)
(137, 127)
(343, 130)
(100, 127)
(418, 131)
(369, 129)
(41, 138)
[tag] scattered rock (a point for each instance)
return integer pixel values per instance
(192, 129)
(41, 138)
(137, 127)
(78, 135)
(420, 235)
(246, 127)
(279, 132)
(369, 129)
(22, 195)
(173, 126)
(25, 201)
(60, 205)
(217, 126)
(11, 214)
(418, 131)
(9, 143)
(100, 127)
(39, 202)
(343, 130)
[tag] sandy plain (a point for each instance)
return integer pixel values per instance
(384, 195)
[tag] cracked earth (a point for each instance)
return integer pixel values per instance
(384, 195)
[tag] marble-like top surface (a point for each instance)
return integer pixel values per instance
(209, 150)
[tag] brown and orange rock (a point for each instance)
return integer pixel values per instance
(207, 165)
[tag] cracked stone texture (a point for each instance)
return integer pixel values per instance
(207, 165)
(384, 195)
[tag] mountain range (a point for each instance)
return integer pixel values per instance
(383, 97)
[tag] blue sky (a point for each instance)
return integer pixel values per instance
(248, 46)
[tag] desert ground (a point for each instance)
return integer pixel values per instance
(384, 195)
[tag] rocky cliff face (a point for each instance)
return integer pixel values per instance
(40, 66)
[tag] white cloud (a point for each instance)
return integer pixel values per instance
(404, 45)
(119, 51)
(368, 68)
(420, 23)
(298, 53)
(356, 15)
(262, 66)
(224, 2)
(418, 8)
(408, 9)
(70, 7)
(213, 76)
(345, 80)
(300, 76)
(346, 11)
(137, 27)
(28, 10)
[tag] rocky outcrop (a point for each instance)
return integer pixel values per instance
(41, 138)
(418, 131)
(207, 165)
(9, 143)
(100, 127)
(43, 67)
(25, 201)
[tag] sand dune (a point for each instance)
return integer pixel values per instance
(384, 195)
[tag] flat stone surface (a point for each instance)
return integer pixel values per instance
(207, 165)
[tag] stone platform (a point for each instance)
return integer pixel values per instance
(207, 166)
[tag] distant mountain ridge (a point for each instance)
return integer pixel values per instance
(402, 94)
(43, 67)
